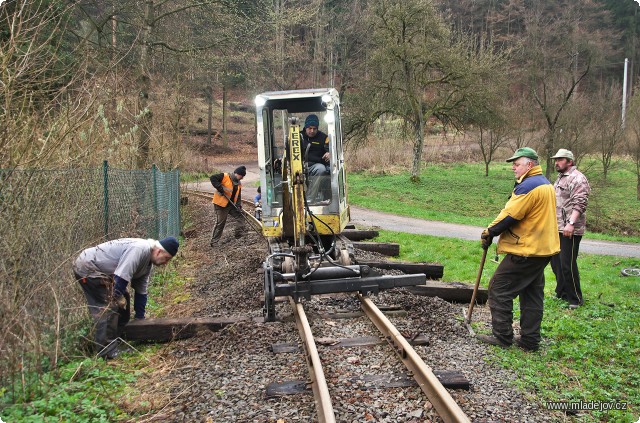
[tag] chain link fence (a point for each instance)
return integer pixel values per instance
(48, 217)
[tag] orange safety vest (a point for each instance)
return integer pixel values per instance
(227, 185)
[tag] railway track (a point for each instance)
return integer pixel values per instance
(444, 404)
(247, 206)
(435, 392)
(226, 375)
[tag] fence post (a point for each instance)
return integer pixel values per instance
(154, 170)
(105, 177)
(177, 189)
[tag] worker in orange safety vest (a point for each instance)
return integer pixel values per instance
(227, 200)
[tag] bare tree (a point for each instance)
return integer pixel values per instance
(522, 119)
(607, 128)
(632, 127)
(576, 126)
(417, 70)
(561, 43)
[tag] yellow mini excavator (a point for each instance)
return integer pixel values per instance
(304, 215)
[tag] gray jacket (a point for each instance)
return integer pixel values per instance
(572, 193)
(129, 258)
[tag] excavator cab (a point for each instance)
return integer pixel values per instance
(280, 116)
(304, 212)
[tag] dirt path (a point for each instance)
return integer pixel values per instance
(371, 218)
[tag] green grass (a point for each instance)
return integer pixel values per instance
(589, 354)
(193, 176)
(460, 193)
(90, 389)
(166, 283)
(80, 391)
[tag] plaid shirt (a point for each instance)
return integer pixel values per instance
(572, 193)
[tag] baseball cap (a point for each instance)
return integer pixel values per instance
(524, 152)
(563, 153)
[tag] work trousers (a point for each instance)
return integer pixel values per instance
(319, 182)
(105, 313)
(565, 267)
(221, 219)
(523, 277)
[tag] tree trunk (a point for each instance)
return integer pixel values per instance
(209, 95)
(224, 115)
(417, 148)
(144, 114)
(550, 150)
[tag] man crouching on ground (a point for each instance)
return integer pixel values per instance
(105, 271)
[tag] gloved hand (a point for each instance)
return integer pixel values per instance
(486, 239)
(120, 301)
(221, 191)
(139, 305)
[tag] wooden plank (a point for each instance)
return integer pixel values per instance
(289, 387)
(360, 341)
(432, 270)
(163, 330)
(451, 379)
(285, 347)
(360, 234)
(386, 248)
(356, 314)
(450, 291)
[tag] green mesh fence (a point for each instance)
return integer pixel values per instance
(141, 203)
(47, 217)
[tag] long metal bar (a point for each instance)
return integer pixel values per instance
(367, 285)
(467, 318)
(321, 395)
(444, 404)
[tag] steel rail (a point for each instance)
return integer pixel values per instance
(321, 395)
(442, 401)
(208, 195)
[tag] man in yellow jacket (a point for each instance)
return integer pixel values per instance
(528, 233)
(227, 200)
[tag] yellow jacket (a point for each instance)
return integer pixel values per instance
(533, 206)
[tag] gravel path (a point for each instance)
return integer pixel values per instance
(222, 376)
(375, 219)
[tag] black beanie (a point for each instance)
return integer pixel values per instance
(241, 171)
(170, 245)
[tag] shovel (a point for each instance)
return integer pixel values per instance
(467, 317)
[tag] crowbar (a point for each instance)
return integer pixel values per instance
(467, 317)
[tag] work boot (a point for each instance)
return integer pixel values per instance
(492, 340)
(518, 341)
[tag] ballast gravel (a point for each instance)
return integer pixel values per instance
(223, 376)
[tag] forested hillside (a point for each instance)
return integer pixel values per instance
(93, 86)
(124, 81)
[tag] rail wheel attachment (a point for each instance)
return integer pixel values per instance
(630, 272)
(269, 309)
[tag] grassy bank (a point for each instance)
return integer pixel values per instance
(589, 354)
(460, 193)
(92, 389)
